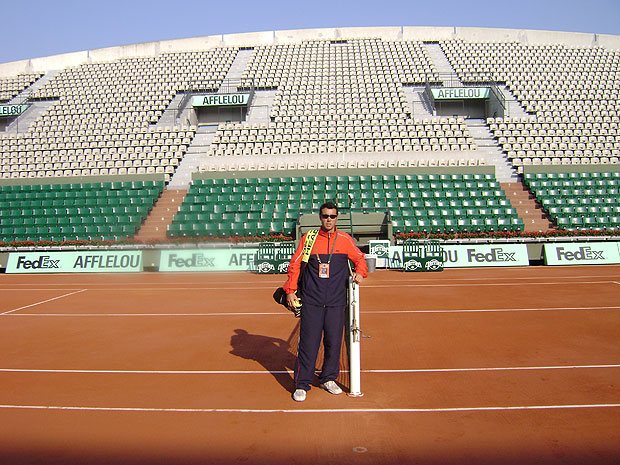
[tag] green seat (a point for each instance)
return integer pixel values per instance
(451, 225)
(276, 226)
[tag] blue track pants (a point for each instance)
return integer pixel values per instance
(317, 322)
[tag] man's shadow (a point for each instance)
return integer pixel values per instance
(276, 355)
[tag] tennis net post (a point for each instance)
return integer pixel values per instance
(354, 338)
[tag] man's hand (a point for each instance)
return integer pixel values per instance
(357, 278)
(292, 301)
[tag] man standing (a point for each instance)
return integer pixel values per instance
(324, 287)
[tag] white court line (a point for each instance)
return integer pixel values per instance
(504, 278)
(491, 310)
(266, 372)
(343, 410)
(112, 315)
(287, 314)
(43, 302)
(547, 283)
(47, 289)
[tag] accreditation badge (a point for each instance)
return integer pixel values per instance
(323, 270)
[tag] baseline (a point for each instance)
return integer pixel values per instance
(261, 372)
(344, 410)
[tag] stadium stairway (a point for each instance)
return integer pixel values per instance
(156, 223)
(490, 150)
(195, 155)
(169, 117)
(513, 108)
(420, 107)
(534, 218)
(36, 109)
(441, 62)
(258, 112)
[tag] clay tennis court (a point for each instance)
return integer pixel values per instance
(518, 365)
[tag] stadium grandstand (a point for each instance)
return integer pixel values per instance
(453, 131)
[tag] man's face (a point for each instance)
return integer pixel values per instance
(328, 216)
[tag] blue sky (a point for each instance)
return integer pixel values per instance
(45, 27)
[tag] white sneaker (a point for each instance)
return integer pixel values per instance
(331, 387)
(299, 395)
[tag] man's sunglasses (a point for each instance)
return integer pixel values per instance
(324, 216)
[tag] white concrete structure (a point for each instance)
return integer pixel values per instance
(569, 39)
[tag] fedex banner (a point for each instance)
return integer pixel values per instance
(591, 253)
(476, 255)
(481, 255)
(208, 259)
(87, 261)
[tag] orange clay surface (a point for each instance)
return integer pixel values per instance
(487, 366)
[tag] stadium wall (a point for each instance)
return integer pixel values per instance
(146, 49)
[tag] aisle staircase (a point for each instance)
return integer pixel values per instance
(534, 218)
(156, 223)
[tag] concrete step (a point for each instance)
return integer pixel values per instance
(419, 107)
(26, 93)
(490, 150)
(156, 223)
(172, 113)
(442, 65)
(514, 108)
(259, 110)
(183, 175)
(193, 158)
(240, 64)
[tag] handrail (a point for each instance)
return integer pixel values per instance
(500, 98)
(429, 97)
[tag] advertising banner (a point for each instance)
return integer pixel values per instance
(273, 257)
(219, 100)
(592, 253)
(13, 110)
(396, 257)
(87, 261)
(382, 250)
(422, 256)
(485, 255)
(241, 259)
(458, 93)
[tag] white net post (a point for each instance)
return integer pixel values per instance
(355, 336)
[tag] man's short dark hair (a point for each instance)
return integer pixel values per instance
(329, 206)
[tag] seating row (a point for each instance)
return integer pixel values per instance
(433, 201)
(10, 87)
(352, 164)
(73, 211)
(579, 200)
